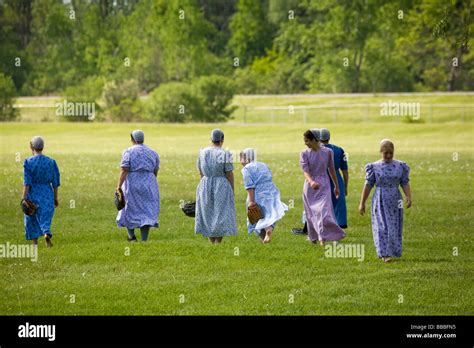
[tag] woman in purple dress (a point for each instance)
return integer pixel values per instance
(315, 162)
(387, 204)
(139, 168)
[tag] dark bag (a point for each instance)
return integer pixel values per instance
(28, 207)
(119, 199)
(189, 209)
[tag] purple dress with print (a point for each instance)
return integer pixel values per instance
(387, 205)
(140, 189)
(318, 206)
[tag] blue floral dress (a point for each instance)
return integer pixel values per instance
(387, 204)
(41, 174)
(215, 206)
(142, 195)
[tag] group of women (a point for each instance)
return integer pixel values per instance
(215, 215)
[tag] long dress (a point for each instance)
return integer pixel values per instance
(340, 163)
(387, 205)
(258, 176)
(41, 174)
(140, 188)
(215, 206)
(318, 207)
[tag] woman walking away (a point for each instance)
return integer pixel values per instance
(41, 182)
(262, 192)
(315, 161)
(215, 206)
(387, 204)
(139, 168)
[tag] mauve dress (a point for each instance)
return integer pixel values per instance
(142, 196)
(387, 205)
(318, 206)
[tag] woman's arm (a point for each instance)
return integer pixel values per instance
(345, 176)
(363, 198)
(230, 177)
(332, 174)
(310, 180)
(406, 189)
(122, 177)
(56, 201)
(251, 194)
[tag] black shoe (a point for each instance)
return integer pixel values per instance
(134, 239)
(298, 231)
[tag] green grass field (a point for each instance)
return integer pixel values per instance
(180, 273)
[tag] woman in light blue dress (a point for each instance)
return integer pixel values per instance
(215, 207)
(387, 175)
(41, 182)
(262, 192)
(139, 168)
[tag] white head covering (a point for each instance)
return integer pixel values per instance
(37, 143)
(138, 136)
(217, 135)
(325, 134)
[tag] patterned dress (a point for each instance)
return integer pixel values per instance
(258, 176)
(142, 196)
(387, 205)
(318, 207)
(340, 163)
(215, 207)
(41, 174)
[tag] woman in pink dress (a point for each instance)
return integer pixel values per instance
(315, 162)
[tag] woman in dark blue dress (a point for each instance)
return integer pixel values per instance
(41, 182)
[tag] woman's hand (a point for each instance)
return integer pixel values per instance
(336, 192)
(361, 208)
(252, 204)
(314, 185)
(408, 202)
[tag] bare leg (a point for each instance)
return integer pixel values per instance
(268, 235)
(321, 242)
(386, 259)
(218, 240)
(262, 235)
(35, 242)
(211, 239)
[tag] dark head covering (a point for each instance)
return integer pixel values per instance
(325, 134)
(217, 135)
(37, 143)
(317, 133)
(138, 136)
